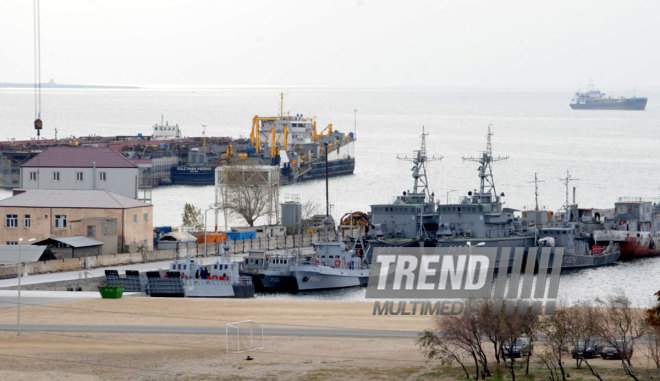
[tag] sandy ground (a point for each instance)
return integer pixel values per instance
(110, 356)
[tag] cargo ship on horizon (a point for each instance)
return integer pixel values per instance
(594, 99)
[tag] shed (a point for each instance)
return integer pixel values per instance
(172, 240)
(71, 247)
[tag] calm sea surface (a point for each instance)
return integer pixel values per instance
(612, 153)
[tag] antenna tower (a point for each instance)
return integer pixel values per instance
(487, 184)
(419, 161)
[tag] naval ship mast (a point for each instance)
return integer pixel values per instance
(419, 161)
(487, 184)
(568, 208)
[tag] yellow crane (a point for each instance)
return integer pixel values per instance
(275, 140)
(317, 136)
(255, 135)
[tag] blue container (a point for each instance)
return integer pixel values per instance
(238, 236)
(160, 231)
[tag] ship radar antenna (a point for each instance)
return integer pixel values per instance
(419, 161)
(566, 180)
(536, 188)
(487, 184)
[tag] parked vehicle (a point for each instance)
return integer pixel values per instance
(616, 350)
(587, 350)
(522, 347)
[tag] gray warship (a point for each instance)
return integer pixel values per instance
(582, 248)
(410, 220)
(480, 218)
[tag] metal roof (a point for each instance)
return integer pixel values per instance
(29, 253)
(76, 241)
(67, 198)
(79, 157)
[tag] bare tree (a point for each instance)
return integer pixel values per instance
(653, 334)
(583, 324)
(515, 326)
(621, 328)
(310, 208)
(247, 192)
(555, 328)
(448, 352)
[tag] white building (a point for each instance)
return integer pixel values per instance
(81, 168)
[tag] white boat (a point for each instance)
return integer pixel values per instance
(332, 266)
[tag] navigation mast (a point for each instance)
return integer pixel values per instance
(487, 184)
(419, 161)
(567, 205)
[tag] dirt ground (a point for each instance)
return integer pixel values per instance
(76, 355)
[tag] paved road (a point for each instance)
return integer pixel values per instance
(368, 333)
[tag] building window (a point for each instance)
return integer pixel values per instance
(33, 176)
(26, 221)
(60, 220)
(145, 217)
(102, 176)
(135, 218)
(79, 176)
(12, 220)
(91, 231)
(12, 243)
(56, 176)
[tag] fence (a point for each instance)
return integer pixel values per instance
(236, 247)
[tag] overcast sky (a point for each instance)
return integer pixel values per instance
(352, 43)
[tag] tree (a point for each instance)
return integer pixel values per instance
(447, 352)
(192, 218)
(621, 328)
(653, 334)
(248, 191)
(555, 328)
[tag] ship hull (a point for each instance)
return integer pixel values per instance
(638, 104)
(310, 277)
(186, 175)
(582, 261)
(634, 247)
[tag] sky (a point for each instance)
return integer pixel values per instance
(338, 43)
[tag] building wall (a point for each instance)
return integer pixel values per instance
(43, 224)
(118, 180)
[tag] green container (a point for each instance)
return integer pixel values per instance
(111, 292)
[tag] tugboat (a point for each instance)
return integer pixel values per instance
(331, 266)
(479, 217)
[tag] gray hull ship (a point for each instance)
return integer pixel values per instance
(410, 220)
(480, 218)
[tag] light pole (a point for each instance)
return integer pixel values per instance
(448, 192)
(20, 274)
(206, 246)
